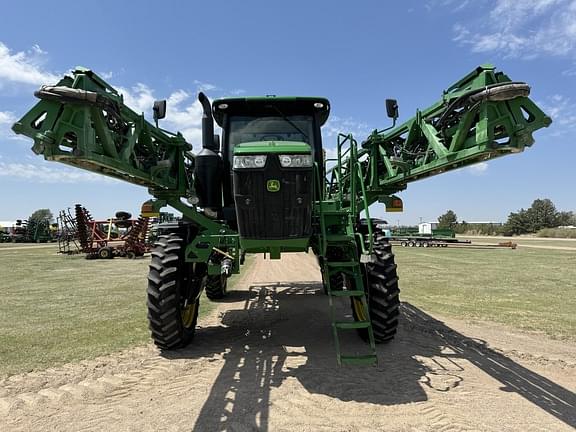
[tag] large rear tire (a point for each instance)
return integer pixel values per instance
(173, 288)
(381, 282)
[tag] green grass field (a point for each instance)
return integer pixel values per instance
(530, 289)
(55, 309)
(525, 241)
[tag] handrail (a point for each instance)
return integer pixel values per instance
(323, 240)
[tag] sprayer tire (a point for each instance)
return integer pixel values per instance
(381, 282)
(216, 287)
(171, 318)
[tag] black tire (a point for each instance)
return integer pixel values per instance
(337, 281)
(130, 254)
(123, 215)
(121, 223)
(381, 282)
(216, 287)
(172, 288)
(105, 252)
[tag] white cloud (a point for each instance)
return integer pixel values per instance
(106, 75)
(570, 71)
(478, 169)
(24, 67)
(140, 97)
(527, 29)
(336, 125)
(6, 118)
(562, 109)
(183, 111)
(205, 87)
(46, 174)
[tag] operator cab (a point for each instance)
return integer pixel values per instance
(269, 119)
(269, 146)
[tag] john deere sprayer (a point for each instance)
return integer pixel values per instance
(265, 185)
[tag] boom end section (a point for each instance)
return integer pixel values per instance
(483, 116)
(82, 121)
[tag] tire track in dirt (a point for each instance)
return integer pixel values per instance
(264, 360)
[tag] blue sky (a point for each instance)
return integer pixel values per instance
(354, 53)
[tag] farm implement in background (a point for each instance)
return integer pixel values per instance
(29, 231)
(115, 237)
(267, 188)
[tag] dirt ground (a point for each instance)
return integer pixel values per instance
(264, 361)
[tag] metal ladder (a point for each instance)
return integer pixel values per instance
(353, 271)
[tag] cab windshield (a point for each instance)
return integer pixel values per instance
(270, 128)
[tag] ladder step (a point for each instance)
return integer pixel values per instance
(368, 359)
(339, 238)
(335, 212)
(349, 325)
(347, 293)
(341, 264)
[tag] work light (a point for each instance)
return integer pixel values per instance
(254, 161)
(295, 161)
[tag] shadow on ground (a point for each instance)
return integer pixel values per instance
(282, 331)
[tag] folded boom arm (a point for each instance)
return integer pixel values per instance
(82, 121)
(483, 116)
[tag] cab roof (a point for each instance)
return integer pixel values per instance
(258, 105)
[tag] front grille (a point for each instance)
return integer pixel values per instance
(273, 215)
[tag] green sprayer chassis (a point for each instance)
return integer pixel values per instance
(82, 121)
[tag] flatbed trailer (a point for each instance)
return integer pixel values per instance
(422, 241)
(426, 241)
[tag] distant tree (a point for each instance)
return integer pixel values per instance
(448, 220)
(517, 223)
(542, 214)
(566, 218)
(41, 215)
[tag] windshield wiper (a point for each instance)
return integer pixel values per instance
(294, 125)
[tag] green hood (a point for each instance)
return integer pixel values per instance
(276, 147)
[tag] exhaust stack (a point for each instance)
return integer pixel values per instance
(208, 172)
(207, 123)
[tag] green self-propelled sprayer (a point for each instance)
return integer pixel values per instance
(264, 186)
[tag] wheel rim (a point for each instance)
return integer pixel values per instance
(188, 313)
(359, 310)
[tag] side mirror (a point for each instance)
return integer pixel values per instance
(392, 108)
(159, 110)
